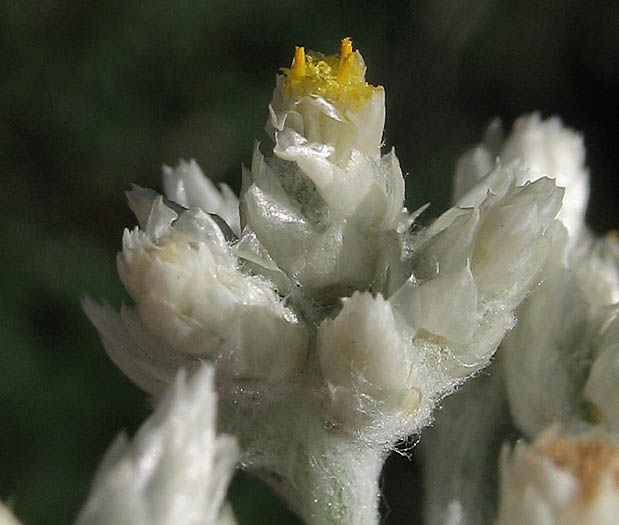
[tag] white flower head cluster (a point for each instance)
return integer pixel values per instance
(559, 366)
(562, 361)
(175, 470)
(318, 298)
(560, 480)
(470, 269)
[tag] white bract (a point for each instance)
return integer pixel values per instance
(175, 471)
(547, 149)
(187, 186)
(560, 480)
(471, 267)
(562, 331)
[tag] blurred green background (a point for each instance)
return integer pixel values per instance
(95, 95)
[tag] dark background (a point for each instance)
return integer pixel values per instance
(95, 95)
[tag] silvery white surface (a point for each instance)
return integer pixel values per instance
(174, 471)
(189, 187)
(562, 339)
(546, 148)
(194, 302)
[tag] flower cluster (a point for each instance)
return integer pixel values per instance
(559, 366)
(334, 320)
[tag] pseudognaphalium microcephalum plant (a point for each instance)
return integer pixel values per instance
(334, 323)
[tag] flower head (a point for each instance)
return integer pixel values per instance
(194, 301)
(175, 470)
(560, 479)
(323, 102)
(327, 205)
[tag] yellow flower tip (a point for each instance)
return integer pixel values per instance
(345, 71)
(298, 64)
(337, 78)
(345, 51)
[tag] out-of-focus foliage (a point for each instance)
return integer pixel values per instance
(96, 95)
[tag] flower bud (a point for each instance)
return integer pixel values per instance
(552, 150)
(474, 265)
(175, 470)
(191, 296)
(366, 361)
(326, 206)
(511, 246)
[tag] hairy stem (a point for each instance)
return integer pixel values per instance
(326, 476)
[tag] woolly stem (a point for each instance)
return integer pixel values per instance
(326, 476)
(339, 484)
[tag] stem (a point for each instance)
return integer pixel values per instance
(327, 477)
(342, 484)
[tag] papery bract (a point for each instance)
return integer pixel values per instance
(175, 470)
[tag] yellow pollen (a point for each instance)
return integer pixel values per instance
(340, 79)
(169, 252)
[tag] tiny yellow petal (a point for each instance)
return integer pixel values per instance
(298, 64)
(344, 73)
(345, 50)
(340, 79)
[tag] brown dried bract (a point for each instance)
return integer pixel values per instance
(588, 461)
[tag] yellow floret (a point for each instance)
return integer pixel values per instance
(337, 78)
